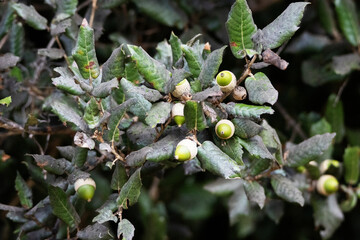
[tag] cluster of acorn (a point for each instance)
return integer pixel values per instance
(224, 129)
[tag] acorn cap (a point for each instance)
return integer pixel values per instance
(227, 122)
(181, 88)
(239, 93)
(177, 110)
(191, 145)
(325, 165)
(327, 181)
(230, 86)
(81, 182)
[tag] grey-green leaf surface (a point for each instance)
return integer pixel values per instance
(345, 64)
(223, 187)
(255, 192)
(119, 177)
(30, 15)
(105, 215)
(245, 128)
(80, 156)
(53, 53)
(130, 192)
(194, 116)
(208, 92)
(193, 56)
(348, 20)
(272, 141)
(125, 229)
(351, 164)
(164, 54)
(274, 209)
(164, 149)
(282, 28)
(334, 114)
(65, 8)
(114, 67)
(52, 165)
(240, 27)
(286, 189)
(62, 208)
(153, 71)
(255, 146)
(8, 60)
(24, 192)
(175, 44)
(245, 110)
(217, 162)
(310, 149)
(140, 135)
(92, 113)
(259, 165)
(132, 90)
(92, 232)
(158, 114)
(327, 214)
(66, 81)
(260, 89)
(211, 67)
(238, 205)
(104, 89)
(117, 114)
(232, 147)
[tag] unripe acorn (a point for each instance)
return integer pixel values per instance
(185, 150)
(239, 93)
(181, 88)
(326, 164)
(224, 129)
(85, 188)
(226, 81)
(177, 113)
(327, 184)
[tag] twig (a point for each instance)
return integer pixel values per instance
(91, 21)
(341, 89)
(290, 121)
(163, 127)
(37, 144)
(61, 47)
(3, 40)
(82, 5)
(40, 63)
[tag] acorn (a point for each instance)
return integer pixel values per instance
(177, 113)
(226, 81)
(239, 93)
(326, 164)
(181, 88)
(327, 185)
(185, 150)
(85, 188)
(224, 129)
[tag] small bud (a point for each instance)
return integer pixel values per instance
(239, 93)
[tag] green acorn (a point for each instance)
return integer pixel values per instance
(181, 88)
(177, 113)
(226, 81)
(327, 185)
(85, 188)
(224, 129)
(185, 150)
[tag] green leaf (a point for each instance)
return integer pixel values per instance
(66, 81)
(327, 215)
(310, 149)
(208, 92)
(351, 164)
(194, 59)
(6, 101)
(238, 205)
(153, 71)
(119, 177)
(260, 90)
(130, 192)
(92, 232)
(255, 146)
(350, 202)
(52, 165)
(62, 208)
(255, 193)
(320, 127)
(194, 116)
(92, 113)
(232, 147)
(286, 189)
(132, 90)
(259, 165)
(8, 60)
(6, 21)
(240, 27)
(245, 128)
(84, 52)
(272, 141)
(211, 67)
(125, 229)
(282, 28)
(104, 89)
(114, 67)
(246, 111)
(334, 114)
(192, 166)
(345, 64)
(24, 192)
(164, 54)
(163, 11)
(348, 20)
(132, 73)
(217, 162)
(158, 114)
(138, 158)
(326, 17)
(31, 16)
(105, 215)
(80, 156)
(115, 118)
(17, 39)
(175, 48)
(177, 76)
(223, 187)
(65, 9)
(141, 135)
(274, 209)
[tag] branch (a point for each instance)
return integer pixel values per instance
(91, 21)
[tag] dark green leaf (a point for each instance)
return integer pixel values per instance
(192, 166)
(272, 141)
(211, 67)
(334, 114)
(222, 187)
(104, 89)
(286, 189)
(326, 17)
(105, 215)
(238, 205)
(351, 164)
(193, 56)
(348, 20)
(132, 73)
(164, 54)
(125, 229)
(175, 47)
(231, 147)
(260, 90)
(245, 128)
(132, 90)
(119, 177)
(114, 67)
(137, 158)
(255, 193)
(80, 156)
(246, 111)
(259, 165)
(92, 113)
(110, 3)
(65, 8)
(24, 192)
(17, 39)
(95, 231)
(84, 52)
(141, 135)
(308, 43)
(158, 114)
(117, 114)
(320, 127)
(62, 208)
(194, 116)
(345, 64)
(255, 146)
(274, 209)
(209, 92)
(56, 166)
(31, 16)
(241, 27)
(66, 81)
(6, 20)
(130, 192)
(67, 152)
(217, 162)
